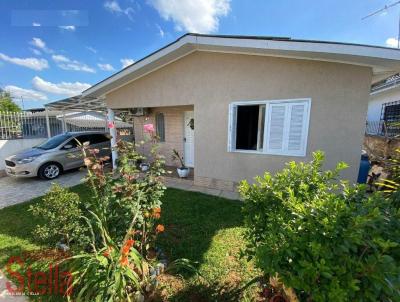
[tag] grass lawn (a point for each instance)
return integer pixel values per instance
(199, 227)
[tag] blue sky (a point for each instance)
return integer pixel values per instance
(50, 50)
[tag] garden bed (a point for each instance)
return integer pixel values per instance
(202, 228)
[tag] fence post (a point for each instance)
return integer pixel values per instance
(48, 123)
(64, 128)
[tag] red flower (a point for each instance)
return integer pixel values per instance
(157, 210)
(127, 246)
(125, 249)
(108, 251)
(160, 228)
(130, 242)
(124, 261)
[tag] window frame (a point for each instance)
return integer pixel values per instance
(156, 117)
(266, 103)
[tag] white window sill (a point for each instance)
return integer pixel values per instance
(266, 153)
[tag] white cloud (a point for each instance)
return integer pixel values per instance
(160, 31)
(32, 63)
(106, 67)
(36, 51)
(39, 43)
(26, 94)
(60, 58)
(392, 42)
(63, 88)
(200, 16)
(68, 27)
(67, 64)
(35, 24)
(126, 62)
(114, 7)
(92, 49)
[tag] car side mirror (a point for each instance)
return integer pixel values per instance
(68, 146)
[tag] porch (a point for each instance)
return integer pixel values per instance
(174, 127)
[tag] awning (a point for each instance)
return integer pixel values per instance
(77, 103)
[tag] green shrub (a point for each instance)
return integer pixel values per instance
(61, 214)
(327, 244)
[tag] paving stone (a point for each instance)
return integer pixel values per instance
(5, 295)
(17, 190)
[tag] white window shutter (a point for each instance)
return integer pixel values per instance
(276, 128)
(232, 128)
(287, 128)
(296, 133)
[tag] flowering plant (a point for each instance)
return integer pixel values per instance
(124, 210)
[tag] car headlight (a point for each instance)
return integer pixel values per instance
(26, 160)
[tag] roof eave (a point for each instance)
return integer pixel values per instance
(380, 59)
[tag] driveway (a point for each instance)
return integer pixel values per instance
(17, 190)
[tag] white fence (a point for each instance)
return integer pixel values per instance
(19, 125)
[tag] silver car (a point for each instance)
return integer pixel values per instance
(59, 153)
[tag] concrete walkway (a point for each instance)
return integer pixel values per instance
(4, 293)
(188, 185)
(17, 190)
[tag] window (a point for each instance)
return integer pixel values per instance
(98, 139)
(53, 142)
(81, 138)
(160, 126)
(391, 111)
(269, 127)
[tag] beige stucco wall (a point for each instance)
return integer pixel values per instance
(211, 81)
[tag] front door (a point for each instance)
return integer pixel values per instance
(189, 138)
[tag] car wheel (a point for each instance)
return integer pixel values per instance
(49, 171)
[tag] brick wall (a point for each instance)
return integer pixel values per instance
(174, 130)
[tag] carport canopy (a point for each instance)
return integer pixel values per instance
(87, 103)
(77, 103)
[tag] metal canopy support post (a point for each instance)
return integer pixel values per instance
(113, 133)
(47, 123)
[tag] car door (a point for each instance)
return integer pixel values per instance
(102, 143)
(72, 156)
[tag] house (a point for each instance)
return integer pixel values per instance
(237, 106)
(384, 107)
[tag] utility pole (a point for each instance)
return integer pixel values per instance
(387, 6)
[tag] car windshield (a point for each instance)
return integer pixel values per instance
(54, 142)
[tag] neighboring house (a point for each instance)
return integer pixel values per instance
(239, 106)
(89, 120)
(384, 106)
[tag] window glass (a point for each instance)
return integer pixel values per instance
(53, 142)
(247, 127)
(98, 139)
(160, 126)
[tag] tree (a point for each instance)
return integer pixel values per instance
(7, 104)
